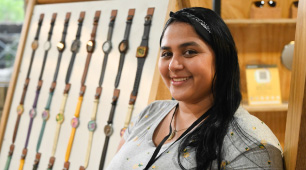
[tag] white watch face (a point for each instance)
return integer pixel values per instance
(106, 46)
(47, 45)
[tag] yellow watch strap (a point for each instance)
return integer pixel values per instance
(21, 164)
(70, 144)
(78, 108)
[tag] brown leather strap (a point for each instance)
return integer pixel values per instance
(82, 91)
(53, 85)
(12, 147)
(132, 99)
(16, 127)
(66, 165)
(82, 15)
(113, 15)
(67, 88)
(53, 17)
(86, 68)
(51, 162)
(24, 153)
(68, 14)
(27, 81)
(82, 168)
(150, 11)
(131, 14)
(98, 92)
(37, 158)
(94, 29)
(116, 95)
(40, 82)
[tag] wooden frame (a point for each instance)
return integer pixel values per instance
(295, 145)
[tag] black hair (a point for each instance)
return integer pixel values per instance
(207, 139)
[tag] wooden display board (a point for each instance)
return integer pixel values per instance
(146, 94)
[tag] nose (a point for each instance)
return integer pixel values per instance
(175, 64)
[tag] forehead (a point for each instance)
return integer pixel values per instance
(178, 33)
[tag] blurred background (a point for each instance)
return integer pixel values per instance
(11, 19)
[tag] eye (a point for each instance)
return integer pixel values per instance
(166, 54)
(190, 53)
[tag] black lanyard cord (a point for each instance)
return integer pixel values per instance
(154, 158)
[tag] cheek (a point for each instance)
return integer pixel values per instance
(163, 70)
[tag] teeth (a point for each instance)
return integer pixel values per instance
(180, 79)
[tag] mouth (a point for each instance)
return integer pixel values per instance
(179, 80)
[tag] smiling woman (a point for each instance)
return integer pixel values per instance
(204, 127)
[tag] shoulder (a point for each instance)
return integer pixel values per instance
(249, 142)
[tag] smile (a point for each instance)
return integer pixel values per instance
(180, 79)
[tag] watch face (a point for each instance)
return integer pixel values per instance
(45, 115)
(34, 44)
(47, 45)
(141, 51)
(61, 46)
(20, 109)
(108, 130)
(107, 46)
(32, 113)
(75, 46)
(90, 46)
(59, 118)
(123, 46)
(74, 122)
(92, 125)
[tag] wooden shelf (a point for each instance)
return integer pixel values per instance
(259, 21)
(268, 108)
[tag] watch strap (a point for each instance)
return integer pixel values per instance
(114, 103)
(95, 25)
(92, 38)
(52, 26)
(109, 37)
(126, 37)
(80, 23)
(104, 152)
(66, 24)
(129, 21)
(111, 24)
(77, 38)
(40, 21)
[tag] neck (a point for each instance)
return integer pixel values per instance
(189, 112)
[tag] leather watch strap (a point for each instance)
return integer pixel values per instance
(107, 45)
(108, 129)
(75, 46)
(46, 112)
(91, 45)
(75, 120)
(38, 88)
(141, 54)
(124, 45)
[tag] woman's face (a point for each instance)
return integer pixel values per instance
(191, 64)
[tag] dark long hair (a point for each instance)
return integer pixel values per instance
(207, 138)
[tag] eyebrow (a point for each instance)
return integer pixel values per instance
(186, 44)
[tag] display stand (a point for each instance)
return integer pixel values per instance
(147, 93)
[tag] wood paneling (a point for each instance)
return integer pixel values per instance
(263, 44)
